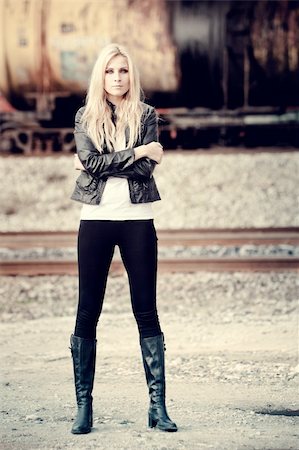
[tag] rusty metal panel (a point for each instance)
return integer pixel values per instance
(275, 35)
(78, 29)
(51, 45)
(20, 45)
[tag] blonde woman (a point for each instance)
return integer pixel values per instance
(117, 151)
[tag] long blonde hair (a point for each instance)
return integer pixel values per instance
(96, 118)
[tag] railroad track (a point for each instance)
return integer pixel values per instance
(193, 238)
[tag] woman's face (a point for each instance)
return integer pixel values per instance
(117, 79)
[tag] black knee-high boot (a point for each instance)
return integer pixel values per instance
(152, 349)
(84, 357)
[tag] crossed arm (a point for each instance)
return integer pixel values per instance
(138, 162)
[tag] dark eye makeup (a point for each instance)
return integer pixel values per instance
(112, 70)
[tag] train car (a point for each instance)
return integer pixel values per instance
(217, 71)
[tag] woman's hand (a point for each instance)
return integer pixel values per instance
(153, 150)
(77, 163)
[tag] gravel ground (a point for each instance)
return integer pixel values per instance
(231, 338)
(220, 191)
(232, 366)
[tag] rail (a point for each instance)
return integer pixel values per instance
(168, 240)
(196, 236)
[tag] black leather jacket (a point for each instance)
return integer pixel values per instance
(91, 182)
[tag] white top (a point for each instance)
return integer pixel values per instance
(115, 202)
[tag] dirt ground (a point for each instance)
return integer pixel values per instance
(231, 380)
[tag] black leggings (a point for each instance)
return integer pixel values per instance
(137, 241)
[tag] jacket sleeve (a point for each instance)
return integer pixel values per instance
(96, 164)
(143, 168)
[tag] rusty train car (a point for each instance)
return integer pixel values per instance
(217, 71)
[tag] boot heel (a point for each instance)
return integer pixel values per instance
(151, 422)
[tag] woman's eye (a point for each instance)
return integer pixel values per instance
(121, 70)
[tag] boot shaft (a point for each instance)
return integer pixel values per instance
(152, 349)
(84, 358)
(153, 357)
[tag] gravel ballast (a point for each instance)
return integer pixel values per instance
(222, 297)
(197, 190)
